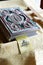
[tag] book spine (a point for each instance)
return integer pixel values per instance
(4, 30)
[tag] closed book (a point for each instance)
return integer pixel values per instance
(14, 22)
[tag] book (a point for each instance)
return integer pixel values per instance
(14, 22)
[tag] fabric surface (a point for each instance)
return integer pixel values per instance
(9, 54)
